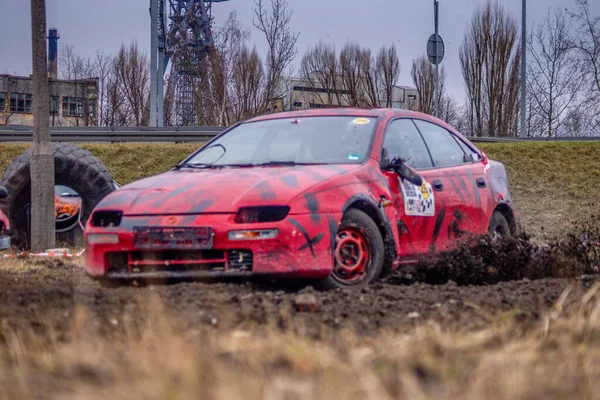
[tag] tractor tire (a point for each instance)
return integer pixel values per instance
(359, 247)
(75, 168)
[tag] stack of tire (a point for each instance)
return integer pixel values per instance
(75, 168)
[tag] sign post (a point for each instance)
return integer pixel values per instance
(435, 52)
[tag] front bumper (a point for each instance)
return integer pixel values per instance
(302, 249)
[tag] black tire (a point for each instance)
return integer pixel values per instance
(499, 227)
(360, 222)
(75, 168)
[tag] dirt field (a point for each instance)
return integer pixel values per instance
(66, 336)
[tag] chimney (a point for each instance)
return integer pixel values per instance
(53, 53)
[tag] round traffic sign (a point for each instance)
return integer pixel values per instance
(431, 49)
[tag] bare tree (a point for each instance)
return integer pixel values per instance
(130, 87)
(588, 39)
(102, 64)
(43, 235)
(387, 73)
(355, 66)
(423, 76)
(490, 57)
(274, 22)
(249, 84)
(554, 78)
(74, 66)
(319, 68)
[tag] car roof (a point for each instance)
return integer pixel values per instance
(378, 112)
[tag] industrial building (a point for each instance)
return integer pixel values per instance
(305, 93)
(72, 102)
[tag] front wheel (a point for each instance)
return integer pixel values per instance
(358, 254)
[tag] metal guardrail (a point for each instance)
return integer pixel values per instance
(183, 134)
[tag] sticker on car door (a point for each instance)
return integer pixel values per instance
(418, 200)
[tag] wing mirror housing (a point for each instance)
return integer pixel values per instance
(405, 171)
(3, 192)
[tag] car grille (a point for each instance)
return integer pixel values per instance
(186, 260)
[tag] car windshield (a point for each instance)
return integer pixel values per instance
(308, 140)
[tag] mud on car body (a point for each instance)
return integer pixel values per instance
(338, 195)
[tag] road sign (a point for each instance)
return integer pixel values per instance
(431, 49)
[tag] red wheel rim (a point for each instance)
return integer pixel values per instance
(351, 255)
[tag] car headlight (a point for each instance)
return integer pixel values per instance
(249, 215)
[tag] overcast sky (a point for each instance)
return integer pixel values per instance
(92, 25)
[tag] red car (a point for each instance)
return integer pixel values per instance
(338, 195)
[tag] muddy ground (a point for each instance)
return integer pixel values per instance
(469, 289)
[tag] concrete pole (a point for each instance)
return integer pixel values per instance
(43, 230)
(153, 61)
(523, 130)
(437, 64)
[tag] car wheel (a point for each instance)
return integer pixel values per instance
(359, 252)
(499, 227)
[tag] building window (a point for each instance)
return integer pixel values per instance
(20, 102)
(297, 104)
(92, 109)
(2, 101)
(53, 104)
(315, 105)
(72, 106)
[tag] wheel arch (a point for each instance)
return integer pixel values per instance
(371, 208)
(508, 213)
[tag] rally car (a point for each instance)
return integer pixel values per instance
(337, 195)
(4, 224)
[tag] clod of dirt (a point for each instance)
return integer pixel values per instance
(306, 302)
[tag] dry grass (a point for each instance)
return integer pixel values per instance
(155, 356)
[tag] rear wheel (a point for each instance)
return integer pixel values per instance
(499, 227)
(359, 252)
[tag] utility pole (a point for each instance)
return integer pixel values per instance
(522, 132)
(43, 235)
(437, 64)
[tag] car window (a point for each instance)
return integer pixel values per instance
(307, 140)
(442, 146)
(474, 156)
(402, 139)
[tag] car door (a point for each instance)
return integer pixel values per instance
(459, 187)
(416, 209)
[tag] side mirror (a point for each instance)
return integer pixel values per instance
(3, 192)
(406, 172)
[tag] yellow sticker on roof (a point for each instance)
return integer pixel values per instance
(361, 121)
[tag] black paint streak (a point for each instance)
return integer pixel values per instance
(453, 227)
(402, 228)
(309, 242)
(455, 186)
(203, 205)
(462, 183)
(436, 229)
(290, 180)
(313, 207)
(475, 189)
(333, 228)
(266, 191)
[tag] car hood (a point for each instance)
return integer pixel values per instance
(218, 190)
